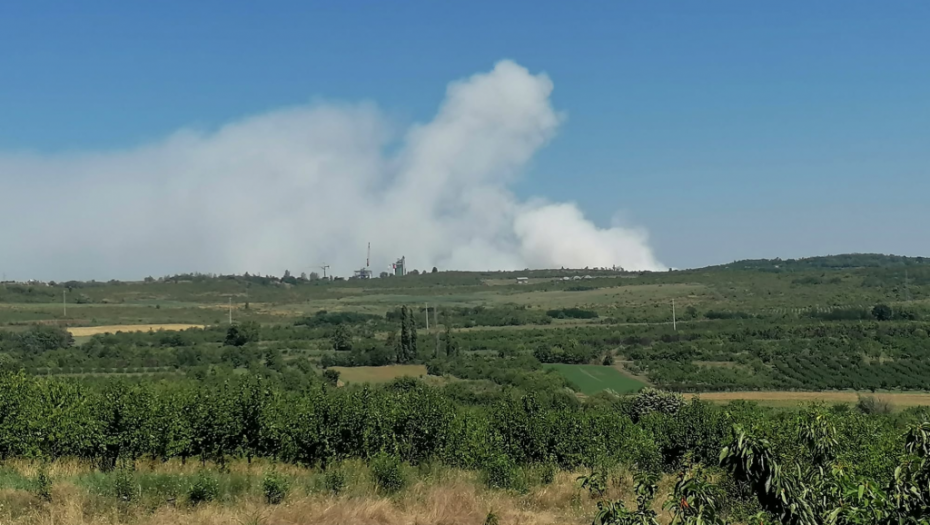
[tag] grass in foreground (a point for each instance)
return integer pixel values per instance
(157, 493)
(591, 379)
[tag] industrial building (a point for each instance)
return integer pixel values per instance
(400, 267)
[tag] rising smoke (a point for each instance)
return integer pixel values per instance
(302, 186)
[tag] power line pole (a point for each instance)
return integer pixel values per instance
(674, 320)
(436, 324)
(230, 310)
(64, 301)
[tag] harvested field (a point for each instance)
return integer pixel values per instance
(83, 331)
(378, 374)
(899, 399)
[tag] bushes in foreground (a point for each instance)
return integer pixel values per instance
(53, 418)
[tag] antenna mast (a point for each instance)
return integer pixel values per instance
(368, 257)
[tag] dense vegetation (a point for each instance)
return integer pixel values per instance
(791, 467)
(500, 397)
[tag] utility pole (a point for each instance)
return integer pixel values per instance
(674, 321)
(427, 317)
(230, 310)
(64, 301)
(436, 324)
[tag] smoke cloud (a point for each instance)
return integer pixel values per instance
(306, 185)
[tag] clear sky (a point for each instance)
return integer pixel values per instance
(726, 129)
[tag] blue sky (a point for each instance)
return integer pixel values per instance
(727, 129)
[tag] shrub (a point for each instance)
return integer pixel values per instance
(388, 473)
(334, 480)
(547, 472)
(873, 405)
(124, 483)
(331, 377)
(500, 472)
(42, 485)
(882, 312)
(651, 400)
(275, 487)
(204, 488)
(572, 313)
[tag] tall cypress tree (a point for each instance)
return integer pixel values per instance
(412, 328)
(450, 344)
(404, 335)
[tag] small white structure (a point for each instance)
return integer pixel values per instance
(523, 280)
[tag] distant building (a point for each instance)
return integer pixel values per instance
(400, 267)
(362, 273)
(523, 280)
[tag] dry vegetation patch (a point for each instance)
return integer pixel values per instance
(83, 331)
(900, 399)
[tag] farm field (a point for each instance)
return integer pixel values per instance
(748, 326)
(497, 360)
(84, 331)
(785, 399)
(591, 379)
(378, 374)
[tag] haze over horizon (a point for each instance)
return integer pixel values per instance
(177, 138)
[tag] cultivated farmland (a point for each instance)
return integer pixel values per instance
(591, 379)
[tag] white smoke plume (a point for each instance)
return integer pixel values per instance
(302, 186)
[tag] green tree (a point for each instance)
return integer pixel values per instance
(450, 345)
(274, 360)
(242, 334)
(882, 312)
(342, 338)
(331, 377)
(408, 336)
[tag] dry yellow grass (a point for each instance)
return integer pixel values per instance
(84, 331)
(903, 399)
(450, 497)
(378, 374)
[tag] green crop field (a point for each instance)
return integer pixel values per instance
(591, 379)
